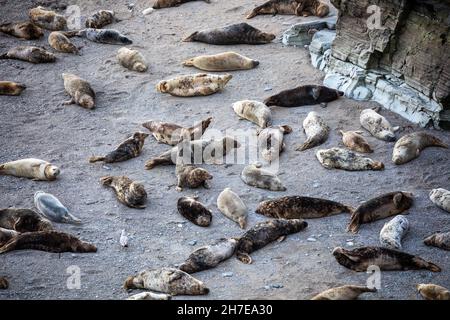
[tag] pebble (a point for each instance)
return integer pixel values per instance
(192, 242)
(227, 274)
(350, 244)
(276, 286)
(180, 225)
(147, 11)
(268, 89)
(311, 239)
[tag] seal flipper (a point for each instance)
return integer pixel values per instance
(96, 159)
(244, 257)
(191, 38)
(4, 56)
(354, 224)
(426, 265)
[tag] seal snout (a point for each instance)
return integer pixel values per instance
(338, 251)
(255, 63)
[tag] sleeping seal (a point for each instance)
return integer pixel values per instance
(130, 193)
(361, 259)
(210, 256)
(9, 88)
(433, 292)
(441, 198)
(392, 233)
(254, 111)
(194, 211)
(79, 90)
(255, 176)
(24, 30)
(61, 43)
(377, 125)
(29, 54)
(100, 19)
(303, 8)
(355, 141)
(50, 207)
(159, 4)
(348, 292)
(338, 158)
(130, 148)
(47, 19)
(36, 169)
(190, 176)
(270, 141)
(226, 61)
(439, 240)
(200, 84)
(264, 233)
(23, 220)
(381, 207)
(409, 146)
(316, 131)
(231, 205)
(107, 36)
(132, 59)
(303, 95)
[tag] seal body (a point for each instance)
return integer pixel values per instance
(100, 19)
(348, 292)
(361, 259)
(132, 59)
(24, 30)
(355, 141)
(338, 158)
(50, 207)
(47, 19)
(440, 240)
(130, 193)
(254, 111)
(255, 176)
(292, 7)
(150, 296)
(167, 280)
(441, 198)
(200, 84)
(130, 148)
(9, 88)
(23, 220)
(316, 130)
(381, 207)
(172, 134)
(50, 241)
(296, 207)
(393, 232)
(377, 125)
(29, 54)
(226, 61)
(31, 168)
(270, 141)
(159, 4)
(231, 205)
(194, 211)
(303, 95)
(107, 36)
(313, 8)
(241, 33)
(409, 146)
(210, 256)
(61, 43)
(79, 90)
(264, 233)
(190, 176)
(433, 292)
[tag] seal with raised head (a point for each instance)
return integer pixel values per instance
(150, 296)
(392, 233)
(338, 158)
(386, 205)
(361, 259)
(31, 168)
(355, 141)
(439, 240)
(200, 84)
(433, 292)
(348, 292)
(4, 284)
(100, 19)
(226, 61)
(47, 19)
(23, 220)
(107, 36)
(129, 192)
(190, 176)
(254, 111)
(441, 198)
(231, 205)
(132, 59)
(159, 4)
(61, 43)
(9, 88)
(303, 96)
(50, 241)
(79, 90)
(210, 256)
(377, 125)
(24, 30)
(172, 134)
(241, 33)
(316, 131)
(255, 176)
(166, 280)
(50, 207)
(409, 146)
(292, 7)
(130, 148)
(297, 207)
(264, 233)
(29, 54)
(194, 211)
(270, 141)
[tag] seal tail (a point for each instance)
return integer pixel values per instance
(421, 263)
(191, 38)
(308, 144)
(96, 159)
(254, 13)
(439, 143)
(72, 219)
(354, 224)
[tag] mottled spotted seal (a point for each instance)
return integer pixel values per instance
(254, 111)
(270, 141)
(226, 61)
(150, 296)
(316, 131)
(441, 198)
(361, 259)
(338, 158)
(255, 176)
(50, 207)
(4, 284)
(377, 125)
(296, 207)
(23, 220)
(241, 33)
(348, 292)
(200, 84)
(210, 256)
(24, 30)
(80, 91)
(159, 4)
(303, 95)
(9, 88)
(439, 240)
(292, 7)
(190, 176)
(132, 59)
(36, 169)
(231, 205)
(29, 54)
(355, 141)
(128, 192)
(61, 43)
(107, 36)
(409, 146)
(194, 211)
(264, 233)
(433, 292)
(313, 8)
(130, 148)
(47, 19)
(392, 233)
(381, 207)
(100, 19)
(167, 280)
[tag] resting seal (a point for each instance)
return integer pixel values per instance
(316, 131)
(271, 141)
(194, 211)
(409, 146)
(392, 233)
(130, 193)
(107, 36)
(303, 8)
(254, 111)
(130, 148)
(255, 176)
(29, 54)
(439, 240)
(50, 207)
(36, 169)
(231, 205)
(226, 61)
(355, 141)
(200, 84)
(61, 43)
(24, 30)
(338, 158)
(433, 292)
(9, 88)
(100, 19)
(303, 95)
(348, 292)
(80, 91)
(23, 220)
(377, 125)
(47, 19)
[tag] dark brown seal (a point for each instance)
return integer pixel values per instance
(194, 211)
(29, 54)
(24, 220)
(439, 240)
(159, 4)
(130, 148)
(303, 95)
(24, 30)
(128, 192)
(9, 88)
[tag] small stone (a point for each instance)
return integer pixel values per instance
(267, 89)
(227, 274)
(276, 286)
(350, 244)
(192, 242)
(323, 105)
(180, 225)
(311, 239)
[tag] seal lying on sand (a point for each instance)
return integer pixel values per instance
(100, 19)
(24, 30)
(338, 158)
(316, 131)
(9, 88)
(377, 125)
(271, 141)
(355, 141)
(79, 90)
(107, 36)
(409, 146)
(392, 233)
(200, 84)
(36, 169)
(61, 43)
(254, 111)
(159, 4)
(29, 54)
(255, 176)
(441, 198)
(194, 211)
(439, 240)
(303, 8)
(50, 207)
(189, 176)
(433, 292)
(226, 61)
(132, 59)
(47, 19)
(130, 148)
(128, 192)
(348, 292)
(303, 95)
(231, 205)
(23, 220)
